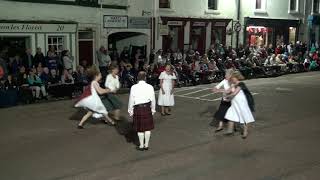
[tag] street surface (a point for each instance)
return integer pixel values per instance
(41, 142)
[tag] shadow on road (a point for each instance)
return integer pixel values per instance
(123, 127)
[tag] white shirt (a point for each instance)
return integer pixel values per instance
(141, 93)
(225, 85)
(112, 83)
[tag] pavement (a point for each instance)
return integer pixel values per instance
(41, 142)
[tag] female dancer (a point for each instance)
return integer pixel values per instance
(111, 101)
(222, 87)
(91, 101)
(167, 82)
(242, 105)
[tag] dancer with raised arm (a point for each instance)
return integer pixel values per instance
(242, 105)
(142, 107)
(91, 101)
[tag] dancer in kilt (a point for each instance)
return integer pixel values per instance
(111, 100)
(142, 107)
(222, 87)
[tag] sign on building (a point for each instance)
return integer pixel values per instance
(139, 23)
(163, 30)
(199, 24)
(115, 21)
(34, 28)
(175, 23)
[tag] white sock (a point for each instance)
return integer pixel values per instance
(147, 135)
(141, 138)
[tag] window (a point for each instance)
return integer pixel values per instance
(261, 5)
(213, 4)
(92, 3)
(294, 6)
(316, 4)
(56, 42)
(164, 3)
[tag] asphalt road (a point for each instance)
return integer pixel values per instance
(41, 142)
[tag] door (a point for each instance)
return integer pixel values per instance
(86, 52)
(198, 39)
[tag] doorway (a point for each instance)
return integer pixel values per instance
(15, 45)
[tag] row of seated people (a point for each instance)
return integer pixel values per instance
(40, 84)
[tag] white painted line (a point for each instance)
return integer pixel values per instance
(186, 89)
(196, 91)
(207, 95)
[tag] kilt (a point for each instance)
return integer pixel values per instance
(223, 108)
(142, 118)
(111, 102)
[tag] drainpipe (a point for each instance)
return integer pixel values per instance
(238, 19)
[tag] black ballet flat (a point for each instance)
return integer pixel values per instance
(80, 127)
(168, 114)
(163, 114)
(146, 148)
(218, 130)
(244, 137)
(139, 149)
(229, 134)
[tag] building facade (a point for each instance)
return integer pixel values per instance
(82, 26)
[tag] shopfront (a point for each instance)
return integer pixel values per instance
(270, 31)
(17, 36)
(174, 40)
(197, 34)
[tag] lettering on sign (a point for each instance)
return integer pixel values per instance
(115, 21)
(199, 24)
(20, 27)
(220, 24)
(175, 23)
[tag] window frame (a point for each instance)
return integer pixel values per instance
(212, 11)
(313, 10)
(263, 8)
(297, 7)
(57, 44)
(217, 5)
(170, 5)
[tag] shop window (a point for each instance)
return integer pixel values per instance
(164, 4)
(294, 6)
(213, 4)
(292, 34)
(56, 42)
(316, 4)
(261, 5)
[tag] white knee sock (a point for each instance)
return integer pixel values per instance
(141, 138)
(147, 135)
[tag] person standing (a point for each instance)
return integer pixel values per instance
(67, 60)
(91, 101)
(242, 105)
(104, 61)
(222, 87)
(167, 83)
(142, 107)
(111, 101)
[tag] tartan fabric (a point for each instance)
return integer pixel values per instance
(86, 93)
(142, 119)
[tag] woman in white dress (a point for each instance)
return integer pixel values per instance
(166, 97)
(242, 105)
(91, 101)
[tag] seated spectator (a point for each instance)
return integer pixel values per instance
(67, 83)
(44, 76)
(81, 78)
(25, 93)
(39, 58)
(36, 85)
(11, 91)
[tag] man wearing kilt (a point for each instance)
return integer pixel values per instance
(142, 107)
(225, 104)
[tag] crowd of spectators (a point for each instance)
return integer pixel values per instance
(29, 78)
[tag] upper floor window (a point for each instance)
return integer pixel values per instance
(294, 6)
(88, 2)
(164, 3)
(316, 4)
(261, 5)
(213, 4)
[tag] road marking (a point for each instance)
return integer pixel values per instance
(195, 91)
(207, 95)
(284, 89)
(205, 99)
